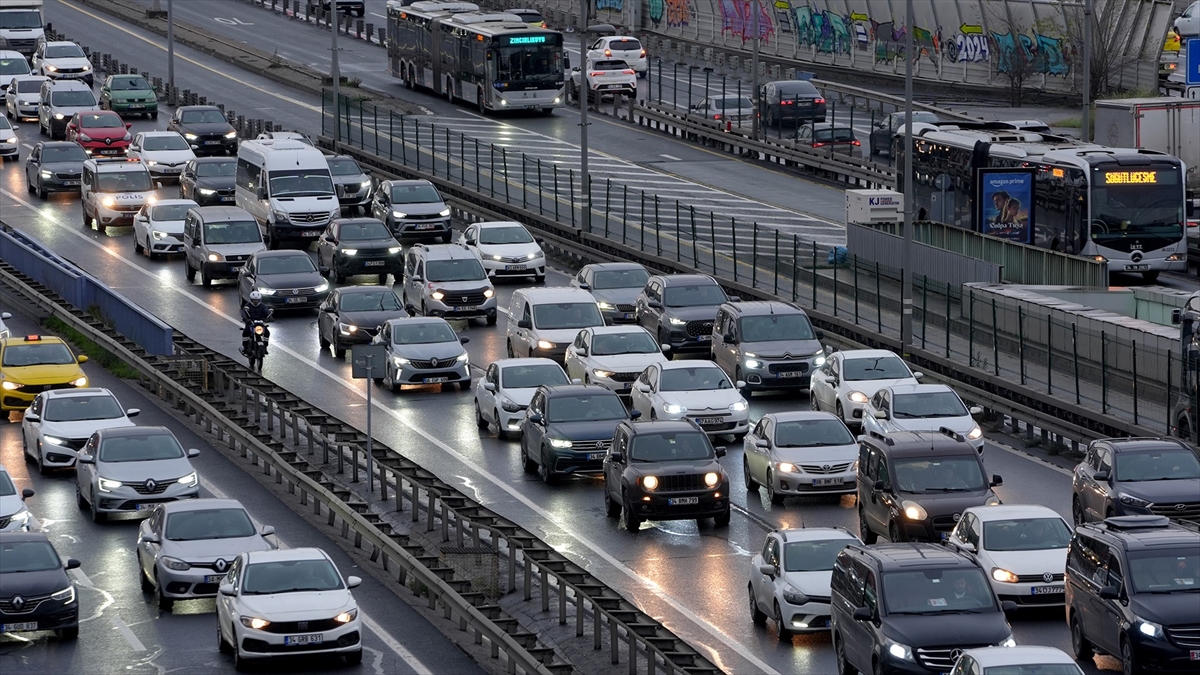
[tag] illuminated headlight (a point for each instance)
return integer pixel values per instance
(1149, 628)
(265, 291)
(463, 358)
(232, 134)
(189, 480)
(66, 596)
(899, 651)
(602, 373)
(349, 251)
(753, 363)
(531, 256)
(53, 69)
(107, 485)
(346, 617)
(158, 234)
(560, 443)
(497, 258)
(739, 406)
(605, 305)
(47, 174)
(150, 162)
(1100, 258)
(346, 328)
(399, 214)
(992, 501)
(444, 212)
(487, 293)
(215, 257)
(206, 192)
(1008, 642)
(322, 287)
(557, 100)
(914, 511)
(400, 361)
(437, 295)
(793, 596)
(190, 137)
(54, 440)
(975, 433)
(254, 622)
(712, 478)
(364, 185)
(1130, 500)
(786, 467)
(59, 116)
(79, 382)
(175, 564)
(503, 102)
(11, 140)
(857, 397)
(1174, 257)
(674, 409)
(151, 199)
(1004, 576)
(393, 250)
(108, 202)
(650, 482)
(542, 344)
(87, 67)
(11, 386)
(819, 358)
(677, 322)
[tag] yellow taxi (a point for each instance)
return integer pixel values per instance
(32, 364)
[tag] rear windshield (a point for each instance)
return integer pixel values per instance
(794, 89)
(670, 447)
(831, 135)
(624, 45)
(527, 15)
(100, 121)
(732, 102)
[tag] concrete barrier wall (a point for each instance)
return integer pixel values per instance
(874, 246)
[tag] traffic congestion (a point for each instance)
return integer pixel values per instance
(813, 509)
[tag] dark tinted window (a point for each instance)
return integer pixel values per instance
(28, 86)
(233, 232)
(694, 295)
(292, 264)
(365, 301)
(1166, 571)
(774, 327)
(1161, 464)
(631, 278)
(941, 474)
(344, 167)
(670, 447)
(561, 315)
(291, 576)
(79, 408)
(834, 135)
(528, 377)
(935, 591)
(812, 433)
(585, 408)
(1026, 534)
(202, 117)
(63, 153)
(364, 231)
(812, 556)
(209, 524)
(28, 556)
(141, 448)
(211, 169)
(7, 489)
(625, 44)
(454, 270)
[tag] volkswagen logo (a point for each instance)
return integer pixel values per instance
(295, 291)
(955, 654)
(1180, 507)
(433, 363)
(1047, 577)
(220, 565)
(18, 602)
(150, 485)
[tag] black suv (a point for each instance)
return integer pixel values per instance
(664, 470)
(911, 608)
(914, 485)
(568, 429)
(680, 309)
(1133, 591)
(1136, 476)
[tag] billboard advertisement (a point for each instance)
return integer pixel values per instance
(1004, 204)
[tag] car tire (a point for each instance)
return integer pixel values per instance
(205, 279)
(70, 633)
(510, 349)
(1081, 649)
(501, 433)
(353, 658)
(758, 616)
(29, 185)
(628, 519)
(527, 464)
(388, 382)
(324, 344)
(611, 508)
(841, 413)
(150, 251)
(814, 403)
(893, 532)
(785, 635)
(97, 516)
(546, 473)
(775, 497)
(138, 249)
(722, 520)
(147, 585)
(1077, 515)
(839, 650)
(222, 646)
(1129, 660)
(539, 279)
(43, 470)
(339, 351)
(42, 193)
(464, 385)
(491, 319)
(864, 529)
(79, 500)
(383, 279)
(479, 421)
(240, 664)
(154, 115)
(189, 272)
(164, 603)
(747, 478)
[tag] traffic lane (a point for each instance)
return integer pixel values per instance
(158, 642)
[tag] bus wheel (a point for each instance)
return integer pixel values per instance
(482, 108)
(450, 90)
(406, 76)
(1150, 277)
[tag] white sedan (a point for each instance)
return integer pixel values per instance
(287, 603)
(695, 390)
(163, 152)
(623, 48)
(158, 227)
(506, 249)
(507, 387)
(1022, 548)
(59, 422)
(613, 356)
(790, 578)
(850, 378)
(921, 407)
(1016, 661)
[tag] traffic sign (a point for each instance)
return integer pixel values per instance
(364, 358)
(1192, 52)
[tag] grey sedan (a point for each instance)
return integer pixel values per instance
(133, 469)
(286, 280)
(615, 286)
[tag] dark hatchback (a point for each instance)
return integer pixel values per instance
(352, 246)
(55, 166)
(1136, 476)
(353, 316)
(208, 181)
(679, 309)
(206, 129)
(35, 592)
(568, 430)
(664, 470)
(285, 279)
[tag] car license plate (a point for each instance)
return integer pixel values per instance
(296, 301)
(1048, 590)
(71, 183)
(17, 627)
(594, 456)
(136, 106)
(311, 233)
(1196, 654)
(375, 263)
(817, 482)
(704, 338)
(790, 373)
(683, 501)
(435, 380)
(513, 268)
(1136, 268)
(628, 316)
(213, 578)
(428, 226)
(709, 420)
(303, 639)
(226, 199)
(466, 308)
(110, 151)
(145, 507)
(212, 142)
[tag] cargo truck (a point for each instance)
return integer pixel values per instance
(21, 25)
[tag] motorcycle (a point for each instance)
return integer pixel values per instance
(256, 348)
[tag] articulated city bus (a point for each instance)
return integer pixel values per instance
(492, 60)
(1124, 206)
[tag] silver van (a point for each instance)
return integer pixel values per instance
(448, 280)
(217, 241)
(542, 322)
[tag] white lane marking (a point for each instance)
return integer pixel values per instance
(1033, 458)
(671, 157)
(380, 632)
(123, 629)
(495, 480)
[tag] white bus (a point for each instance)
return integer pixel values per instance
(494, 61)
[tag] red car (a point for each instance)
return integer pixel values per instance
(100, 132)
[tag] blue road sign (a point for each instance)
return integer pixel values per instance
(1193, 61)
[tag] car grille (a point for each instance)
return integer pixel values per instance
(941, 659)
(72, 443)
(22, 45)
(201, 138)
(788, 368)
(464, 297)
(237, 258)
(68, 176)
(31, 603)
(624, 377)
(514, 259)
(823, 599)
(302, 626)
(591, 446)
(285, 292)
(447, 362)
(137, 100)
(39, 388)
(625, 308)
(4, 522)
(1190, 510)
(824, 469)
(1036, 578)
(695, 328)
(159, 487)
(424, 216)
(944, 523)
(313, 218)
(1185, 636)
(69, 71)
(419, 378)
(126, 208)
(675, 483)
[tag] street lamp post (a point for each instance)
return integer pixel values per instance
(583, 92)
(335, 74)
(909, 188)
(1085, 129)
(754, 75)
(170, 44)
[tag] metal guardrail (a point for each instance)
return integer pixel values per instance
(932, 263)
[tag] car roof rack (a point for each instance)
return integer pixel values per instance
(886, 439)
(1137, 522)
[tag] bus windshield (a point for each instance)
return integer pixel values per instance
(528, 64)
(1137, 205)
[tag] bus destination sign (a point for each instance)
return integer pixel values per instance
(525, 40)
(1130, 177)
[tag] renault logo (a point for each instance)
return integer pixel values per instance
(433, 362)
(220, 565)
(1047, 577)
(150, 485)
(108, 141)
(18, 602)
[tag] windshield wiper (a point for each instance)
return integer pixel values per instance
(949, 489)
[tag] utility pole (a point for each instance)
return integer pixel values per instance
(1085, 130)
(336, 74)
(170, 44)
(754, 75)
(909, 188)
(583, 91)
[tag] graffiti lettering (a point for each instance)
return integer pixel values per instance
(613, 5)
(674, 13)
(1040, 54)
(972, 48)
(737, 18)
(889, 42)
(825, 31)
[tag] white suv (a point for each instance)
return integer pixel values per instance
(506, 249)
(113, 191)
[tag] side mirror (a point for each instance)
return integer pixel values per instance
(880, 486)
(129, 125)
(525, 323)
(464, 339)
(266, 530)
(881, 414)
(966, 546)
(720, 450)
(82, 358)
(33, 417)
(85, 458)
(150, 538)
(576, 380)
(819, 333)
(353, 582)
(1109, 592)
(730, 340)
(635, 414)
(665, 348)
(133, 412)
(862, 614)
(226, 589)
(193, 452)
(411, 308)
(654, 304)
(582, 351)
(740, 384)
(1101, 476)
(261, 192)
(616, 456)
(976, 410)
(763, 443)
(26, 493)
(583, 286)
(768, 570)
(997, 481)
(918, 375)
(644, 388)
(158, 185)
(73, 564)
(735, 298)
(489, 386)
(1008, 606)
(535, 419)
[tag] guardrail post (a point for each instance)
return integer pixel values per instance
(1074, 357)
(971, 329)
(614, 644)
(854, 258)
(692, 220)
(528, 581)
(657, 228)
(996, 346)
(1135, 384)
(835, 287)
(540, 187)
(814, 275)
(712, 237)
(924, 305)
(1021, 341)
(1104, 373)
(571, 192)
(415, 500)
(674, 86)
(504, 161)
(948, 320)
(429, 510)
(776, 290)
(545, 590)
(445, 522)
(733, 245)
(1050, 355)
(596, 642)
(341, 457)
(795, 268)
(632, 651)
(1170, 377)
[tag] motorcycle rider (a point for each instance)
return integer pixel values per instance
(253, 311)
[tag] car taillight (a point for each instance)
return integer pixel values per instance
(818, 144)
(629, 71)
(818, 101)
(608, 52)
(643, 53)
(596, 73)
(716, 116)
(855, 142)
(786, 102)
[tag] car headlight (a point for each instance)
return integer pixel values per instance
(11, 386)
(175, 564)
(487, 293)
(85, 138)
(444, 212)
(53, 69)
(674, 409)
(913, 510)
(158, 234)
(108, 202)
(86, 67)
(786, 467)
(150, 162)
(254, 622)
(531, 256)
(992, 501)
(1148, 628)
(322, 287)
(279, 216)
(739, 406)
(1008, 642)
(263, 290)
(128, 136)
(602, 373)
(59, 116)
(54, 440)
(350, 251)
(497, 257)
(233, 134)
(364, 185)
(819, 358)
(1130, 500)
(107, 485)
(542, 344)
(464, 357)
(899, 651)
(400, 361)
(605, 305)
(347, 617)
(393, 250)
(510, 406)
(677, 322)
(976, 433)
(207, 192)
(399, 214)
(11, 140)
(793, 596)
(47, 174)
(437, 295)
(66, 596)
(19, 521)
(650, 482)
(347, 328)
(215, 257)
(857, 397)
(712, 478)
(560, 443)
(190, 137)
(1004, 576)
(189, 480)
(79, 382)
(753, 363)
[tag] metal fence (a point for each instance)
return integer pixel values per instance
(935, 264)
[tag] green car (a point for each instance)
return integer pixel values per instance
(130, 94)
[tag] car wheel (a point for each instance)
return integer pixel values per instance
(839, 650)
(893, 532)
(785, 635)
(1076, 511)
(138, 249)
(205, 279)
(539, 279)
(154, 115)
(29, 184)
(464, 385)
(97, 515)
(1129, 663)
(149, 250)
(42, 193)
(813, 402)
(751, 486)
(147, 585)
(491, 319)
(775, 497)
(630, 520)
(864, 529)
(339, 350)
(43, 470)
(222, 646)
(383, 279)
(841, 413)
(389, 382)
(721, 520)
(1081, 649)
(758, 616)
(527, 464)
(611, 508)
(79, 500)
(321, 340)
(353, 658)
(240, 664)
(67, 633)
(546, 473)
(479, 421)
(164, 603)
(189, 271)
(510, 349)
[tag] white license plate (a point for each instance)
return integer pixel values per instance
(136, 106)
(226, 199)
(790, 373)
(17, 627)
(683, 501)
(466, 308)
(1136, 268)
(311, 233)
(593, 456)
(146, 507)
(296, 301)
(704, 338)
(303, 639)
(111, 151)
(627, 316)
(817, 482)
(1195, 655)
(1048, 590)
(212, 142)
(71, 183)
(435, 380)
(513, 268)
(709, 420)
(425, 227)
(213, 578)
(375, 263)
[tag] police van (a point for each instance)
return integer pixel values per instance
(287, 187)
(113, 191)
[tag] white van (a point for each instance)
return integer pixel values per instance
(286, 186)
(543, 322)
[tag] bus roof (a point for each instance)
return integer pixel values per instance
(430, 9)
(1009, 140)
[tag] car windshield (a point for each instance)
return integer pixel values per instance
(812, 556)
(505, 235)
(1159, 571)
(301, 183)
(82, 407)
(368, 301)
(561, 315)
(454, 270)
(140, 448)
(170, 211)
(694, 295)
(633, 342)
(21, 19)
(671, 447)
(1035, 669)
(344, 166)
(165, 142)
(812, 434)
(877, 368)
(775, 327)
(939, 474)
(934, 591)
(423, 333)
(1163, 464)
(128, 84)
(68, 51)
(7, 489)
(124, 181)
(288, 264)
(203, 117)
(230, 523)
(28, 556)
(290, 576)
(100, 121)
(585, 408)
(731, 103)
(29, 86)
(925, 404)
(631, 278)
(14, 67)
(366, 231)
(45, 354)
(63, 153)
(224, 169)
(415, 194)
(1025, 534)
(232, 232)
(531, 376)
(837, 135)
(72, 99)
(699, 378)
